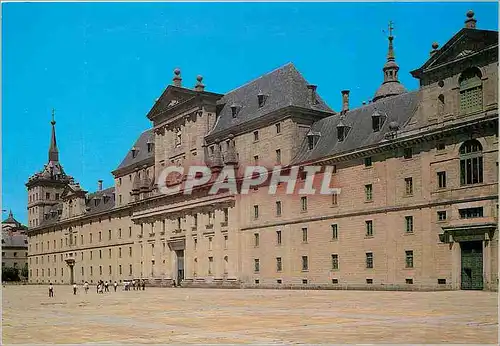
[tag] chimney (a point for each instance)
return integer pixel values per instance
(99, 185)
(345, 101)
(177, 78)
(312, 94)
(435, 47)
(364, 103)
(199, 85)
(470, 22)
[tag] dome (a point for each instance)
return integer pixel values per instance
(389, 89)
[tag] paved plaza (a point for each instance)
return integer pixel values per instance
(170, 315)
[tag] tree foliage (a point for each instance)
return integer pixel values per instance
(10, 274)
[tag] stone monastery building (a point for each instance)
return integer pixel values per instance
(418, 173)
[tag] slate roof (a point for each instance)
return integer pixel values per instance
(389, 88)
(11, 220)
(14, 240)
(103, 204)
(141, 147)
(284, 87)
(398, 109)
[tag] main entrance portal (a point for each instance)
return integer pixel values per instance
(180, 266)
(472, 265)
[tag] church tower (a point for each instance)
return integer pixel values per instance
(391, 85)
(45, 187)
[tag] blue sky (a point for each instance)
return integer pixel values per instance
(102, 65)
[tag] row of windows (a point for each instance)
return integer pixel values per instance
(466, 213)
(335, 263)
(82, 271)
(15, 254)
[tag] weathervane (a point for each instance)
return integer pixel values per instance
(391, 28)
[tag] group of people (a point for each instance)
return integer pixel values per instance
(103, 286)
(136, 285)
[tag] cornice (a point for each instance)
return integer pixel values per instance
(150, 161)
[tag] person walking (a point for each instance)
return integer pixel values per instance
(143, 285)
(51, 290)
(133, 284)
(106, 289)
(115, 285)
(86, 286)
(74, 289)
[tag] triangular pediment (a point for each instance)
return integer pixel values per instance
(171, 97)
(466, 42)
(71, 191)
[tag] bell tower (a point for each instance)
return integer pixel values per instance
(45, 187)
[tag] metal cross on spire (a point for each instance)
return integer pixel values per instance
(53, 116)
(391, 27)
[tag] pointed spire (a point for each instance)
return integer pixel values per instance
(390, 51)
(391, 85)
(53, 152)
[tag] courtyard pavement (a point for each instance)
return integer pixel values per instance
(178, 315)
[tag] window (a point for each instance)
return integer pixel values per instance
(441, 179)
(109, 269)
(440, 146)
(279, 281)
(305, 263)
(310, 142)
(335, 262)
(225, 241)
(278, 156)
(100, 270)
(257, 281)
(368, 161)
(471, 163)
(369, 228)
(109, 253)
(210, 243)
(470, 213)
(441, 215)
(100, 236)
(304, 281)
(130, 251)
(278, 128)
(440, 105)
(130, 232)
(226, 264)
(409, 224)
(15, 254)
(120, 269)
(256, 160)
(335, 281)
(278, 208)
(195, 243)
(304, 235)
(408, 153)
(409, 186)
(256, 239)
(409, 259)
(303, 203)
(130, 269)
(256, 135)
(471, 91)
(226, 215)
(255, 211)
(335, 232)
(369, 281)
(441, 281)
(278, 237)
(109, 235)
(335, 199)
(368, 192)
(47, 195)
(256, 265)
(369, 260)
(100, 254)
(57, 196)
(279, 265)
(120, 199)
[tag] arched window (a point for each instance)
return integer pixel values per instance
(471, 163)
(471, 91)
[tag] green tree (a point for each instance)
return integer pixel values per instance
(10, 274)
(24, 271)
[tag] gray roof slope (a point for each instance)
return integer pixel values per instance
(91, 207)
(142, 150)
(398, 108)
(284, 87)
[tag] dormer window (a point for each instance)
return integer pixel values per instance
(342, 131)
(262, 99)
(312, 139)
(134, 152)
(96, 201)
(150, 146)
(235, 110)
(377, 121)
